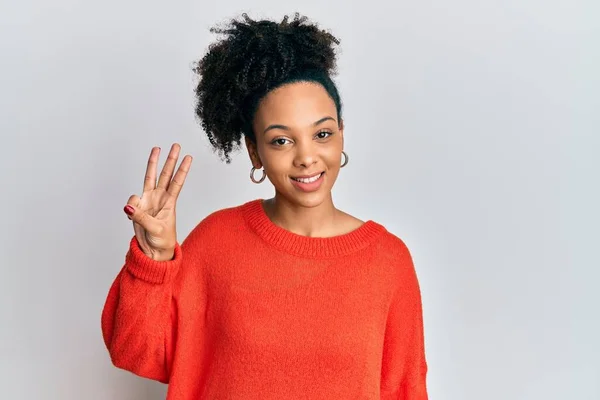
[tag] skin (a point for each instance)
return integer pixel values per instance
(297, 133)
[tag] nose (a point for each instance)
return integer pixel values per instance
(305, 155)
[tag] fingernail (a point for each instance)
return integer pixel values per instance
(128, 209)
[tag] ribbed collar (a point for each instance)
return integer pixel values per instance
(315, 247)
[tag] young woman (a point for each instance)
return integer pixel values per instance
(285, 298)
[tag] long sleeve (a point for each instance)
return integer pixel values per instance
(404, 367)
(137, 319)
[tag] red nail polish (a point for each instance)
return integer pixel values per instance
(128, 209)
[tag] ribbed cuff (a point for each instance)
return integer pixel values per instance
(143, 267)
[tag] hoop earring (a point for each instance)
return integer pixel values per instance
(253, 179)
(346, 158)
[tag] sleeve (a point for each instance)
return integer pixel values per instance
(137, 318)
(404, 366)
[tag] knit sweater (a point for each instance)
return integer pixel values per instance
(249, 310)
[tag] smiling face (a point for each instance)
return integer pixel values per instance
(298, 142)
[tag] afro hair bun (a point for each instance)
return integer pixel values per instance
(252, 58)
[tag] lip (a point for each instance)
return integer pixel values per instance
(309, 187)
(307, 176)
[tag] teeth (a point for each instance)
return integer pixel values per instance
(308, 180)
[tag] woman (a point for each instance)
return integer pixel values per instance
(285, 298)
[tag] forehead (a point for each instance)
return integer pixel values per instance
(295, 104)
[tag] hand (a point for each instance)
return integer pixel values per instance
(153, 214)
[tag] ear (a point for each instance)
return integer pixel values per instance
(253, 153)
(341, 127)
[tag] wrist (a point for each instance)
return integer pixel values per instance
(166, 255)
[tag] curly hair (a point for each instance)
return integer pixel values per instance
(253, 58)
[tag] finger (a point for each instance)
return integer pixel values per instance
(167, 171)
(135, 202)
(179, 178)
(150, 177)
(149, 223)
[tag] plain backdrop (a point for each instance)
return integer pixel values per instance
(472, 129)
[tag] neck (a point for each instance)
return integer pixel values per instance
(317, 221)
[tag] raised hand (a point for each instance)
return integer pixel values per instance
(153, 214)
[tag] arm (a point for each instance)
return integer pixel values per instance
(137, 323)
(404, 367)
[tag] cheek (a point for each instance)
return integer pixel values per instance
(334, 157)
(276, 163)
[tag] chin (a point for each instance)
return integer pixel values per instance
(306, 200)
(310, 201)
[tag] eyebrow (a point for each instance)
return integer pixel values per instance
(287, 128)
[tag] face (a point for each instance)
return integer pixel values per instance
(299, 142)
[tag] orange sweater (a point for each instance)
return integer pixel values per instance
(249, 310)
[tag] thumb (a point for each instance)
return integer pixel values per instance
(129, 210)
(139, 216)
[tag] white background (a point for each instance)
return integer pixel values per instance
(472, 129)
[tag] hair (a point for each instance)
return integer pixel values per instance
(253, 58)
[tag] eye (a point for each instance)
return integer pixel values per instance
(280, 141)
(323, 134)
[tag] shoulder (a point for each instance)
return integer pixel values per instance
(223, 223)
(386, 244)
(397, 266)
(395, 246)
(221, 218)
(394, 253)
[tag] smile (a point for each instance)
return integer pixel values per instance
(308, 183)
(309, 179)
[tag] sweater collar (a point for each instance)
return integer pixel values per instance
(300, 245)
